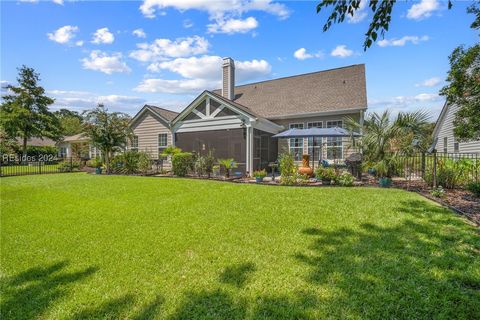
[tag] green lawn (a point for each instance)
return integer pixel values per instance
(83, 246)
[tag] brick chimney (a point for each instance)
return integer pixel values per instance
(228, 78)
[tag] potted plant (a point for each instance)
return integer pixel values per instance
(383, 171)
(97, 163)
(259, 175)
(326, 175)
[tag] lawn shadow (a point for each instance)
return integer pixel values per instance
(422, 267)
(151, 310)
(283, 307)
(237, 275)
(112, 309)
(213, 304)
(30, 293)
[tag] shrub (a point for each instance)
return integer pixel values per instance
(182, 163)
(144, 162)
(287, 169)
(346, 179)
(325, 174)
(438, 192)
(474, 187)
(68, 166)
(170, 151)
(34, 151)
(260, 173)
(301, 179)
(130, 161)
(95, 162)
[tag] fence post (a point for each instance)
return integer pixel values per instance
(39, 167)
(434, 168)
(71, 164)
(423, 165)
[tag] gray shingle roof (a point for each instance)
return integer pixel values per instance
(330, 90)
(38, 142)
(167, 114)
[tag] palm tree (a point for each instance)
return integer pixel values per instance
(227, 164)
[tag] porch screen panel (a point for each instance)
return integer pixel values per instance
(224, 144)
(264, 149)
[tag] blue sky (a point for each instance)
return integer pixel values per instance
(165, 52)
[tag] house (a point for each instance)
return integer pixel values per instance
(443, 134)
(77, 146)
(239, 121)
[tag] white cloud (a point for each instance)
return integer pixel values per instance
(341, 51)
(360, 14)
(394, 42)
(432, 82)
(200, 73)
(63, 35)
(103, 35)
(187, 23)
(79, 43)
(160, 49)
(422, 10)
(209, 68)
(430, 102)
(60, 2)
(83, 100)
(216, 9)
(175, 86)
(232, 26)
(139, 33)
(101, 61)
(302, 54)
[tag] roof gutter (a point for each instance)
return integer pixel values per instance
(313, 114)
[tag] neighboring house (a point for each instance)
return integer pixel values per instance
(239, 121)
(77, 145)
(443, 134)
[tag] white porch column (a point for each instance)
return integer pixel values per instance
(249, 151)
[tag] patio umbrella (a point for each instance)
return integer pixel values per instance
(316, 132)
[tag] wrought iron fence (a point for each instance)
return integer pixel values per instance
(18, 166)
(446, 169)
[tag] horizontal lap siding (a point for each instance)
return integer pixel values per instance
(147, 129)
(446, 130)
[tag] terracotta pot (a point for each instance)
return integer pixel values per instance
(305, 168)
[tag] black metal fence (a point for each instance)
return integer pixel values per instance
(446, 169)
(18, 166)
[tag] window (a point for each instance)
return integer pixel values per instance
(318, 140)
(162, 142)
(134, 145)
(296, 144)
(445, 144)
(456, 146)
(334, 144)
(63, 152)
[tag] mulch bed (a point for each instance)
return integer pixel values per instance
(458, 200)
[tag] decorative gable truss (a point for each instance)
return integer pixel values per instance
(208, 112)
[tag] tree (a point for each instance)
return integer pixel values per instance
(71, 122)
(463, 91)
(24, 113)
(108, 131)
(382, 15)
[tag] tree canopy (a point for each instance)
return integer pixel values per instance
(108, 131)
(24, 111)
(71, 122)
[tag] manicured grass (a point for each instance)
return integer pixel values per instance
(83, 246)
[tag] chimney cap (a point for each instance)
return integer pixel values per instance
(227, 61)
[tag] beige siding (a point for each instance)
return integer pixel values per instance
(446, 130)
(147, 129)
(283, 144)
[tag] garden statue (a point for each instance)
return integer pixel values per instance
(305, 168)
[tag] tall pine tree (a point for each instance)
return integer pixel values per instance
(24, 111)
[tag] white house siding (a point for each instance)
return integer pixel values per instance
(445, 129)
(147, 128)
